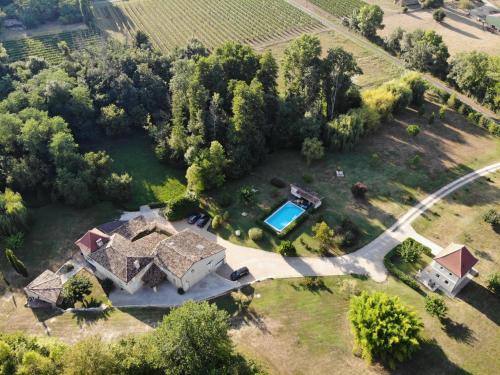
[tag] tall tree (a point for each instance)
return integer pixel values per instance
(302, 67)
(192, 339)
(16, 263)
(368, 19)
(339, 67)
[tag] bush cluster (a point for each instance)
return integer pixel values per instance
(255, 234)
(181, 207)
(396, 272)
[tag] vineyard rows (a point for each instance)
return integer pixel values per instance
(46, 46)
(340, 8)
(171, 23)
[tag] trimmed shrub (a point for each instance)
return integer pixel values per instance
(216, 222)
(396, 272)
(16, 263)
(278, 182)
(359, 190)
(432, 3)
(492, 217)
(181, 207)
(453, 102)
(410, 250)
(493, 283)
(417, 85)
(14, 241)
(442, 112)
(401, 91)
(381, 100)
(255, 234)
(286, 248)
(413, 130)
(436, 306)
(439, 15)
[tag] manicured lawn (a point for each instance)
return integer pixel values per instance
(98, 296)
(305, 331)
(397, 168)
(153, 181)
(411, 268)
(459, 219)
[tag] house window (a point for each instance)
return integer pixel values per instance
(446, 281)
(209, 263)
(437, 275)
(440, 268)
(450, 273)
(192, 270)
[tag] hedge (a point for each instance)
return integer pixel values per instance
(181, 207)
(396, 272)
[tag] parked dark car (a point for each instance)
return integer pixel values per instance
(202, 221)
(193, 218)
(239, 273)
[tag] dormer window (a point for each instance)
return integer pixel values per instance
(99, 242)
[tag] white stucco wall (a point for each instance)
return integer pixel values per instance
(201, 269)
(446, 280)
(131, 287)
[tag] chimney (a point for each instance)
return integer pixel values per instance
(137, 265)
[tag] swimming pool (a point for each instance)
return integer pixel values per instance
(284, 216)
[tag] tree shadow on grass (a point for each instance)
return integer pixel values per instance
(91, 317)
(482, 300)
(311, 284)
(458, 331)
(429, 360)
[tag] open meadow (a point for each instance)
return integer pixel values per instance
(171, 23)
(397, 168)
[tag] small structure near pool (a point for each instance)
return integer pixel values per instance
(286, 216)
(450, 270)
(311, 198)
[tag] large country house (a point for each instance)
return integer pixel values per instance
(141, 252)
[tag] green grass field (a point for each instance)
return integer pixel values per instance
(288, 326)
(459, 219)
(153, 181)
(340, 8)
(398, 170)
(171, 23)
(46, 46)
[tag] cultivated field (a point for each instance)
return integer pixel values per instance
(171, 23)
(341, 8)
(46, 45)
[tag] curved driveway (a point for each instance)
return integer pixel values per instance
(367, 260)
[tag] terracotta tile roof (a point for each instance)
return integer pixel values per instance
(457, 259)
(47, 286)
(180, 251)
(135, 227)
(125, 258)
(89, 241)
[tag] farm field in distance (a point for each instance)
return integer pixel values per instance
(343, 8)
(46, 45)
(171, 23)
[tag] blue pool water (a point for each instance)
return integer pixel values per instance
(284, 216)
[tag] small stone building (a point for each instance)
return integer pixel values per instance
(45, 290)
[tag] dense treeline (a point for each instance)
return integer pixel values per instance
(35, 12)
(215, 113)
(192, 339)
